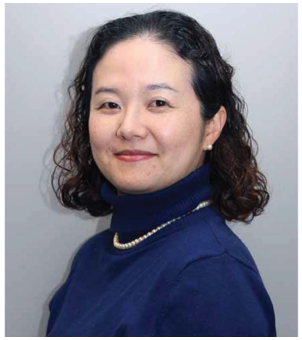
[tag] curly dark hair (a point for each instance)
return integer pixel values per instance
(239, 189)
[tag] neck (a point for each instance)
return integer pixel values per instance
(143, 212)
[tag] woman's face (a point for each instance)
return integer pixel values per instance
(139, 115)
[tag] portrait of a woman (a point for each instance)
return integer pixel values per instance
(155, 135)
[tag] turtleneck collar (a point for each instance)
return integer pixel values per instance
(146, 211)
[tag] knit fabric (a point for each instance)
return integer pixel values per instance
(194, 277)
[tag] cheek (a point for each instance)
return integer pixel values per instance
(179, 135)
(97, 134)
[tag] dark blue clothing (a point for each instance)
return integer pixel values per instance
(194, 277)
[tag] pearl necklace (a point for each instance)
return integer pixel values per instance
(142, 238)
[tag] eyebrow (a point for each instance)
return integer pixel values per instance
(150, 87)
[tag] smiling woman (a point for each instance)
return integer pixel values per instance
(156, 135)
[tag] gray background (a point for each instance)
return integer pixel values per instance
(44, 46)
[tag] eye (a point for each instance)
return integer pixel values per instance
(111, 105)
(161, 103)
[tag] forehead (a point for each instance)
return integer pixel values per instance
(142, 61)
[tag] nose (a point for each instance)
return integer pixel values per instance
(132, 125)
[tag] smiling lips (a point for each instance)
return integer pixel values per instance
(134, 155)
(134, 158)
(134, 152)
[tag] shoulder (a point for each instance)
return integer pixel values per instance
(217, 296)
(208, 235)
(229, 241)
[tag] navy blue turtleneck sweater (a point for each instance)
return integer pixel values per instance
(194, 277)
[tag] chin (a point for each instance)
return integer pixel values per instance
(135, 190)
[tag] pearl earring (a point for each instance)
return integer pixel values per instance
(210, 147)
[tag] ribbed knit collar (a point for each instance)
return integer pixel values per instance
(146, 211)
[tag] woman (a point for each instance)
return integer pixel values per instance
(156, 135)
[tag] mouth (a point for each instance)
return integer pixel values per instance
(134, 158)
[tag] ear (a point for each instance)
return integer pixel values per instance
(214, 127)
